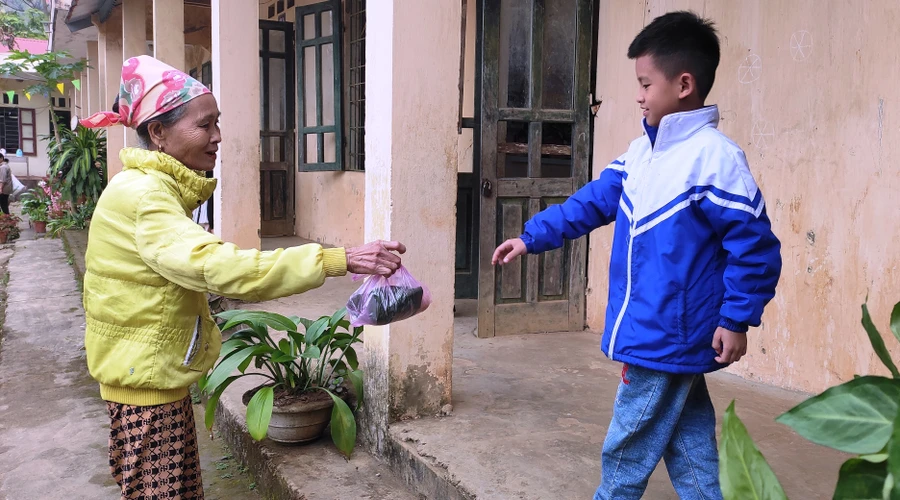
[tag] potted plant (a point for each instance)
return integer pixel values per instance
(78, 164)
(9, 228)
(306, 373)
(35, 205)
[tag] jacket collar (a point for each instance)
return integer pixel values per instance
(193, 188)
(677, 127)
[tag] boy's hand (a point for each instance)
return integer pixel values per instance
(509, 250)
(731, 346)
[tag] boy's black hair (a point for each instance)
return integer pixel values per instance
(681, 42)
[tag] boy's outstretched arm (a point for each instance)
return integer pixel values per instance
(592, 206)
(753, 263)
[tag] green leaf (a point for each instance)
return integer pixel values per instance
(243, 366)
(878, 342)
(301, 321)
(230, 345)
(855, 417)
(743, 472)
(259, 412)
(893, 461)
(875, 458)
(895, 320)
(338, 316)
(311, 352)
(860, 480)
(343, 426)
(213, 401)
(316, 329)
(350, 355)
(255, 318)
(280, 357)
(297, 337)
(226, 367)
(284, 345)
(356, 378)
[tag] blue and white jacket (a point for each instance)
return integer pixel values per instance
(693, 248)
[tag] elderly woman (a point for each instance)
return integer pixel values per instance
(149, 267)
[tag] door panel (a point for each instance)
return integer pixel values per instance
(467, 199)
(534, 153)
(276, 136)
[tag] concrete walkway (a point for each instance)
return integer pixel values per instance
(311, 472)
(53, 425)
(530, 413)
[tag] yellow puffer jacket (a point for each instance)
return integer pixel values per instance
(148, 268)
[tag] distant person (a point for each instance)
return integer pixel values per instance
(6, 184)
(694, 263)
(149, 332)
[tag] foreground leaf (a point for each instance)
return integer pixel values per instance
(893, 461)
(895, 320)
(259, 412)
(316, 330)
(878, 342)
(860, 480)
(227, 366)
(311, 352)
(343, 426)
(743, 471)
(855, 417)
(210, 416)
(356, 378)
(270, 319)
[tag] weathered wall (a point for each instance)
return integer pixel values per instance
(329, 205)
(808, 89)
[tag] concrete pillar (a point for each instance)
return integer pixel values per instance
(134, 43)
(92, 82)
(412, 96)
(168, 32)
(75, 99)
(235, 56)
(111, 71)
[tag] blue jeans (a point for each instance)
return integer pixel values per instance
(660, 416)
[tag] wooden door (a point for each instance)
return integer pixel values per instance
(535, 133)
(276, 134)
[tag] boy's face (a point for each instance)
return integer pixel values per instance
(658, 96)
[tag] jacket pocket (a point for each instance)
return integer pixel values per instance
(681, 316)
(194, 346)
(206, 342)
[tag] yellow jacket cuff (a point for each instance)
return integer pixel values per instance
(334, 260)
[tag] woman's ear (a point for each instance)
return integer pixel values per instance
(157, 134)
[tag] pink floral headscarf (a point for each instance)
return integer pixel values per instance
(149, 88)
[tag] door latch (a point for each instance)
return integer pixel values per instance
(487, 189)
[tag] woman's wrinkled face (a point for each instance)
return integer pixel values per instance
(194, 139)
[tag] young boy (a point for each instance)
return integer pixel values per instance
(694, 262)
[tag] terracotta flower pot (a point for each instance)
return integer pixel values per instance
(3, 238)
(40, 227)
(299, 422)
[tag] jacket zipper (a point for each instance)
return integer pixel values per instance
(615, 330)
(192, 349)
(641, 181)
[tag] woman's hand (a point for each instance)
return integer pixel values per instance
(375, 258)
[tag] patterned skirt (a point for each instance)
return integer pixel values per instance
(153, 451)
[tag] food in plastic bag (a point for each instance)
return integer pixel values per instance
(382, 300)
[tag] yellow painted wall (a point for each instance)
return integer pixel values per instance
(329, 205)
(808, 89)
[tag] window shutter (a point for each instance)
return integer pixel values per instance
(319, 89)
